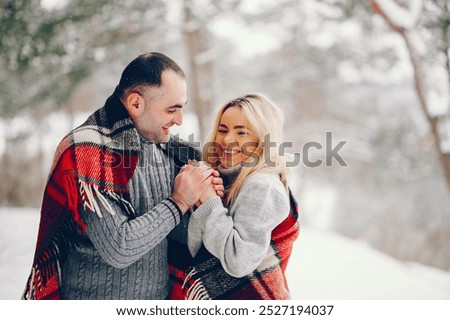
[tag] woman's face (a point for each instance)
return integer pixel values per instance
(234, 140)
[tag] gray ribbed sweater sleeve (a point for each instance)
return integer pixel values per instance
(240, 237)
(123, 256)
(121, 241)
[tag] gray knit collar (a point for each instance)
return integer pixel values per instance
(145, 143)
(228, 175)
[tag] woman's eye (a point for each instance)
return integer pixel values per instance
(242, 133)
(222, 131)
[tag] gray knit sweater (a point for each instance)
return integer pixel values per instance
(123, 258)
(240, 236)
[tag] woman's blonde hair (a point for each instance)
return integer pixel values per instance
(265, 120)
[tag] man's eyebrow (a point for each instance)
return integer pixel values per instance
(179, 106)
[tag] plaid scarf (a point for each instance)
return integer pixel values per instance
(93, 164)
(204, 278)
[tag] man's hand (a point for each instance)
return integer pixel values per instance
(190, 183)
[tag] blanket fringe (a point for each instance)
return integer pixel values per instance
(29, 292)
(93, 196)
(196, 290)
(90, 195)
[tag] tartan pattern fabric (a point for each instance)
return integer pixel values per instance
(93, 164)
(203, 277)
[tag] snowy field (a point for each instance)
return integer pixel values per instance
(324, 266)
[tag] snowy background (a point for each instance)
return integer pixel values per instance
(378, 228)
(323, 266)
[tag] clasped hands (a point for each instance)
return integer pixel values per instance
(196, 183)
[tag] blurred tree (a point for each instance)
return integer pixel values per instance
(329, 64)
(346, 75)
(195, 37)
(403, 17)
(437, 19)
(203, 52)
(44, 54)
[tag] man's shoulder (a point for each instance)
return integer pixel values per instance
(78, 135)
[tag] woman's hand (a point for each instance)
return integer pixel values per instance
(215, 188)
(217, 183)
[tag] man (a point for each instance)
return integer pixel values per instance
(112, 196)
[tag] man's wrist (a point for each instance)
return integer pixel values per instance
(180, 203)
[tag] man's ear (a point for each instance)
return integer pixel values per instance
(134, 103)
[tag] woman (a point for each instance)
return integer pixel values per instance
(241, 244)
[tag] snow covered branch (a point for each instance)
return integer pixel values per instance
(400, 17)
(434, 96)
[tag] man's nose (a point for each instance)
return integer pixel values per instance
(178, 119)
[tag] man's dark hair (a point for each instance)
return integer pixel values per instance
(146, 70)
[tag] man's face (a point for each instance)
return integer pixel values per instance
(162, 108)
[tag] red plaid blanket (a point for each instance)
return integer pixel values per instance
(92, 164)
(203, 277)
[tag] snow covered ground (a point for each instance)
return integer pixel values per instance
(324, 266)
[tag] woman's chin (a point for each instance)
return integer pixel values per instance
(228, 163)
